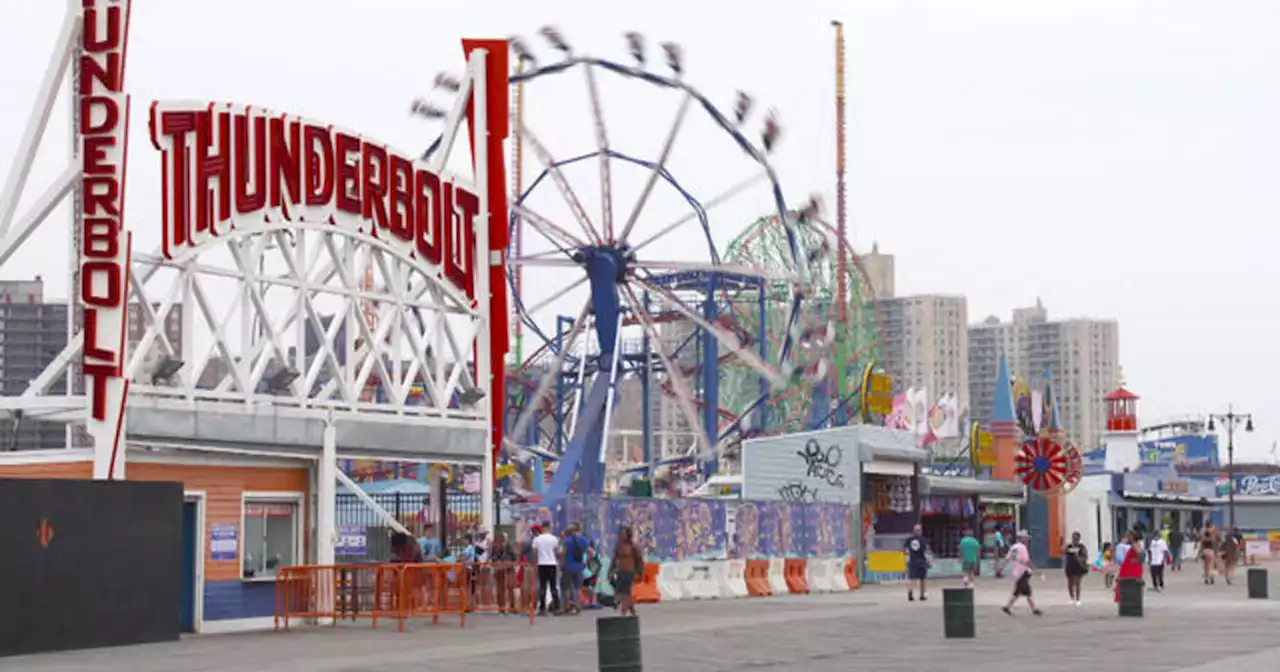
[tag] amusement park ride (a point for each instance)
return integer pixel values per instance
(768, 333)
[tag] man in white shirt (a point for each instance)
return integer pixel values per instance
(1157, 557)
(545, 546)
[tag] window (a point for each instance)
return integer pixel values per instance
(270, 536)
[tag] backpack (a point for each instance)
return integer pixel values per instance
(576, 552)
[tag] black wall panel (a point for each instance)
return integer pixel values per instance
(88, 563)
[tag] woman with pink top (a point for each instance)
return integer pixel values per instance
(1020, 558)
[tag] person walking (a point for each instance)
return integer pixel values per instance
(1019, 558)
(998, 547)
(1158, 556)
(628, 559)
(1076, 565)
(545, 546)
(1208, 553)
(917, 549)
(970, 551)
(1176, 539)
(1229, 549)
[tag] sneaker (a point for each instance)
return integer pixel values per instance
(1037, 612)
(922, 597)
(1006, 610)
(911, 597)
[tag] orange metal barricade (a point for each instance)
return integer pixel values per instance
(402, 591)
(502, 587)
(337, 592)
(433, 589)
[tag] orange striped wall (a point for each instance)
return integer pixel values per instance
(223, 488)
(49, 470)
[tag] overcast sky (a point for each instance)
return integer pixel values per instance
(1114, 158)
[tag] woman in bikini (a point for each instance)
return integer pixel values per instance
(1208, 554)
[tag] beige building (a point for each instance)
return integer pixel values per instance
(879, 268)
(926, 344)
(1082, 355)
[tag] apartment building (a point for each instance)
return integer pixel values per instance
(926, 341)
(880, 272)
(1082, 356)
(33, 332)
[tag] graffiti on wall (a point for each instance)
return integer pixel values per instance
(697, 529)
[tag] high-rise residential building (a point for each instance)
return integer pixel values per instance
(33, 332)
(879, 268)
(1081, 355)
(926, 344)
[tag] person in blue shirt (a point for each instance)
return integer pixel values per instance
(576, 550)
(918, 561)
(429, 542)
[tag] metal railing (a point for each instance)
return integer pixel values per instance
(463, 516)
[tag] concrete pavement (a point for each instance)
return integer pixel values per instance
(1189, 628)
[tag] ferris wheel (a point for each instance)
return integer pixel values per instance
(616, 265)
(840, 298)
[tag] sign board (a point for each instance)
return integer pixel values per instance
(102, 243)
(352, 540)
(877, 392)
(224, 542)
(1258, 486)
(804, 468)
(1166, 485)
(982, 447)
(1191, 450)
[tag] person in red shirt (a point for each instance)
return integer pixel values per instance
(1131, 565)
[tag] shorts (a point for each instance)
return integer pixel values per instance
(571, 585)
(1022, 587)
(970, 568)
(917, 571)
(622, 582)
(1076, 571)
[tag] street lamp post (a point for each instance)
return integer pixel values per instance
(1231, 419)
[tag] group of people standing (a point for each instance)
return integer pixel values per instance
(569, 565)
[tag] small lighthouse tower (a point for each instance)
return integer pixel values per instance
(1121, 437)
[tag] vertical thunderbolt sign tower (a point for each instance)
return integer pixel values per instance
(103, 245)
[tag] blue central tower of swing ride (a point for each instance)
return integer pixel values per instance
(562, 397)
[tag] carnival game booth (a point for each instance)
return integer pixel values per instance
(890, 468)
(950, 504)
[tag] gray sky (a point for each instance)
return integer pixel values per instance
(1114, 158)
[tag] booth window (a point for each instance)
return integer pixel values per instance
(270, 537)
